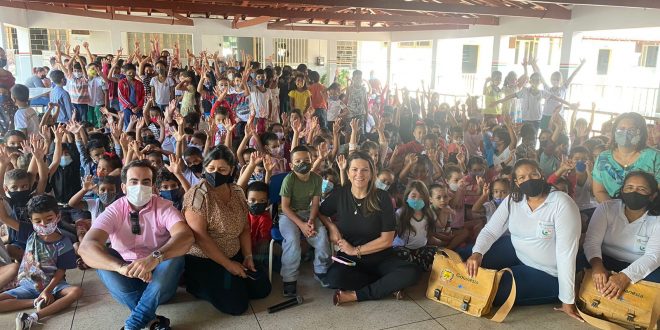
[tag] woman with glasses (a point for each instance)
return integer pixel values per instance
(624, 236)
(541, 250)
(628, 152)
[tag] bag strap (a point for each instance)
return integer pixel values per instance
(607, 325)
(504, 310)
(453, 256)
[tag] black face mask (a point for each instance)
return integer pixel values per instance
(635, 201)
(3, 62)
(20, 197)
(533, 187)
(197, 168)
(257, 208)
(303, 168)
(217, 179)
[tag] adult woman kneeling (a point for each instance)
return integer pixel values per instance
(624, 236)
(364, 231)
(542, 247)
(218, 262)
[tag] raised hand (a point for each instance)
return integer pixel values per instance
(176, 165)
(486, 189)
(269, 164)
(341, 162)
(411, 158)
(229, 127)
(256, 157)
(88, 183)
(296, 125)
(355, 125)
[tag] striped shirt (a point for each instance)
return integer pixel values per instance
(78, 89)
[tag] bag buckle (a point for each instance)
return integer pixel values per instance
(436, 294)
(630, 317)
(465, 304)
(595, 303)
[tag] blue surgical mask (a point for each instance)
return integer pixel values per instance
(327, 186)
(257, 176)
(415, 204)
(497, 201)
(66, 161)
(580, 166)
(382, 185)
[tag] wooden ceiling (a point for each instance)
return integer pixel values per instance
(325, 15)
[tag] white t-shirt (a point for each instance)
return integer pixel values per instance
(508, 157)
(584, 197)
(412, 240)
(545, 239)
(27, 119)
(93, 207)
(259, 101)
(611, 234)
(334, 109)
(161, 90)
(530, 103)
(552, 104)
(97, 89)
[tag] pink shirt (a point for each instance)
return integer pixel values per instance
(156, 220)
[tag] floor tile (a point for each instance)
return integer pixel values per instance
(60, 321)
(423, 325)
(418, 294)
(92, 285)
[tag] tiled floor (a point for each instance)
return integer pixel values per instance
(97, 310)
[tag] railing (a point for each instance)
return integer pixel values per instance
(617, 99)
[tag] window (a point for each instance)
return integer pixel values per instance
(603, 61)
(167, 41)
(289, 51)
(232, 46)
(526, 49)
(11, 37)
(347, 54)
(470, 57)
(415, 44)
(649, 56)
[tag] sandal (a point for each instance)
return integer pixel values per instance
(398, 295)
(335, 298)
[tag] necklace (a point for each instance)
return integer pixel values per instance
(357, 205)
(628, 157)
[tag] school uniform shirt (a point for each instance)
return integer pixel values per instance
(162, 90)
(552, 104)
(97, 89)
(545, 239)
(611, 234)
(584, 197)
(506, 157)
(492, 94)
(60, 96)
(412, 240)
(78, 88)
(259, 101)
(27, 119)
(530, 103)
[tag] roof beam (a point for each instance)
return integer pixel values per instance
(556, 12)
(220, 9)
(339, 28)
(252, 22)
(181, 18)
(654, 4)
(94, 14)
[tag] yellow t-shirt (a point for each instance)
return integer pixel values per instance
(300, 99)
(491, 95)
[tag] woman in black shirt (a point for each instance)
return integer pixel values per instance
(364, 231)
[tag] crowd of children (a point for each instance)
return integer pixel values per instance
(446, 167)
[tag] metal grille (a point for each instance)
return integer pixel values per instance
(347, 52)
(167, 41)
(289, 51)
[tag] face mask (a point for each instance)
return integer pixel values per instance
(77, 75)
(20, 197)
(3, 62)
(107, 198)
(216, 179)
(91, 72)
(65, 161)
(626, 137)
(197, 168)
(258, 176)
(261, 82)
(303, 168)
(635, 201)
(257, 208)
(138, 195)
(46, 229)
(453, 186)
(382, 185)
(173, 195)
(253, 75)
(3, 98)
(478, 173)
(327, 186)
(580, 166)
(230, 76)
(498, 201)
(415, 204)
(280, 135)
(533, 187)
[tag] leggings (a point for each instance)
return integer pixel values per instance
(374, 276)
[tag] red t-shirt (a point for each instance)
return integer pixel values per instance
(318, 101)
(260, 226)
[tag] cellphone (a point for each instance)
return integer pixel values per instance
(345, 261)
(251, 275)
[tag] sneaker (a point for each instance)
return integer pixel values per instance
(289, 289)
(161, 323)
(39, 304)
(322, 278)
(23, 321)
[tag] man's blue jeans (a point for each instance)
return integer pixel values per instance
(144, 298)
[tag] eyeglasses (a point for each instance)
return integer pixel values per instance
(135, 223)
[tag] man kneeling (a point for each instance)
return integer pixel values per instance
(149, 238)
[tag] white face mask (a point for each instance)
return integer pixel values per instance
(453, 186)
(77, 74)
(138, 195)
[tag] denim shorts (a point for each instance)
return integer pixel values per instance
(27, 290)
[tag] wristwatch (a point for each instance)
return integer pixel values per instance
(157, 255)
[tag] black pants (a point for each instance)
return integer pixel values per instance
(207, 280)
(374, 276)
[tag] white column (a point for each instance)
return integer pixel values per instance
(268, 46)
(331, 59)
(23, 55)
(115, 39)
(570, 51)
(496, 65)
(197, 43)
(389, 61)
(2, 36)
(434, 62)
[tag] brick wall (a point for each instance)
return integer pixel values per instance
(38, 41)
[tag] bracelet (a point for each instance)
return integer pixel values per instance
(358, 253)
(249, 256)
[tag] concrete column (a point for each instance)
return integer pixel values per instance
(331, 59)
(389, 61)
(197, 43)
(570, 51)
(496, 65)
(268, 46)
(115, 39)
(2, 36)
(434, 62)
(23, 55)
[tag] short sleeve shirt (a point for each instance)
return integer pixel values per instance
(530, 103)
(300, 99)
(42, 259)
(27, 119)
(162, 90)
(610, 174)
(301, 192)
